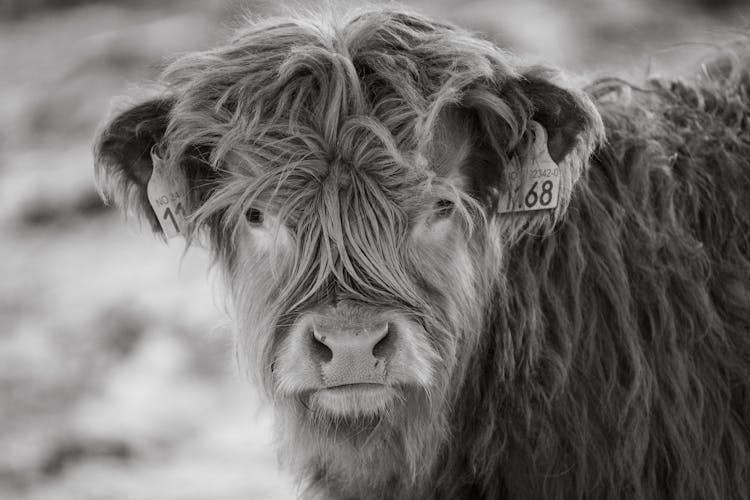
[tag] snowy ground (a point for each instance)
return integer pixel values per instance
(116, 375)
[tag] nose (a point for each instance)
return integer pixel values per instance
(352, 355)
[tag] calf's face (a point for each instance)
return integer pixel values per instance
(347, 176)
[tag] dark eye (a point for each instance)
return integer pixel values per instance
(444, 208)
(254, 216)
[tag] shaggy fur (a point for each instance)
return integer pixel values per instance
(622, 340)
(599, 350)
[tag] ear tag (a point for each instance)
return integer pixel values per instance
(166, 193)
(535, 184)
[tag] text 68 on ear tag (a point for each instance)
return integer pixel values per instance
(166, 194)
(535, 184)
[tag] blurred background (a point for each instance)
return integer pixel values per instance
(117, 379)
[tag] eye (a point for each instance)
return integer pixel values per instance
(254, 216)
(444, 208)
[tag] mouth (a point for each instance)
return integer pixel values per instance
(350, 400)
(358, 387)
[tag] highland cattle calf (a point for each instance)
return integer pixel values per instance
(449, 283)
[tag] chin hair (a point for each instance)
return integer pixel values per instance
(366, 451)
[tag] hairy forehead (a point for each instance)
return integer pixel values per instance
(335, 187)
(298, 170)
(292, 112)
(365, 90)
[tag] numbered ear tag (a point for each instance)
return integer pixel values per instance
(535, 184)
(166, 193)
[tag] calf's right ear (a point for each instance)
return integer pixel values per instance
(123, 156)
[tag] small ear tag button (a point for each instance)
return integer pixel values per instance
(535, 184)
(166, 194)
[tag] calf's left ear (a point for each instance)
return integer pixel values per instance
(563, 128)
(541, 135)
(572, 123)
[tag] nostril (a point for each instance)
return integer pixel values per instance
(320, 350)
(384, 346)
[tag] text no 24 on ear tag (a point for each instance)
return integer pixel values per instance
(167, 198)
